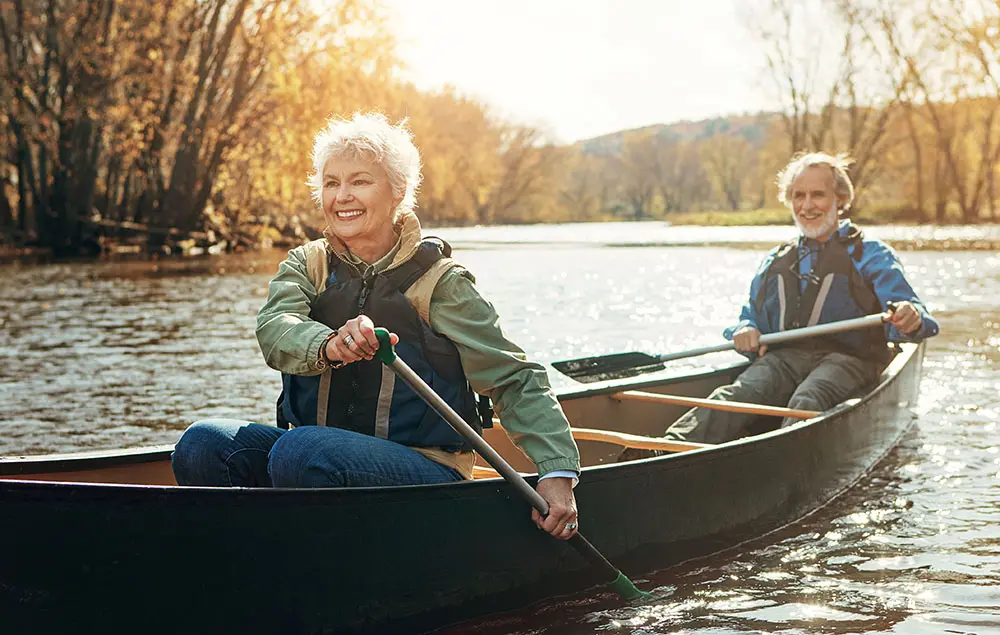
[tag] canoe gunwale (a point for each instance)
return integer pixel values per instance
(17, 465)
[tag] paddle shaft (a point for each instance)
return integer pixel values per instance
(619, 365)
(440, 406)
(867, 321)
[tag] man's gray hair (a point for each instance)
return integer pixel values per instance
(371, 137)
(838, 165)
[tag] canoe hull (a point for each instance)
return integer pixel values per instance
(191, 560)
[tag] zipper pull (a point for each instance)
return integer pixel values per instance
(367, 282)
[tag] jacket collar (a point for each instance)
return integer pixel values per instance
(407, 227)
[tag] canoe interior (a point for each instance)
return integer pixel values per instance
(592, 408)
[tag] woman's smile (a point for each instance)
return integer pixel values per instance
(349, 214)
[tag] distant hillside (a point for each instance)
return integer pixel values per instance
(753, 128)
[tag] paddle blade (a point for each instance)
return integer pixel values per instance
(604, 367)
(627, 590)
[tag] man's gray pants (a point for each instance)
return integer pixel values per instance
(797, 378)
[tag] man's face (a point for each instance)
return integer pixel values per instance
(814, 203)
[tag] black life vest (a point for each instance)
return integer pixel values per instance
(834, 291)
(364, 396)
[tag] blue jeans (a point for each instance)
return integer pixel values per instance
(230, 452)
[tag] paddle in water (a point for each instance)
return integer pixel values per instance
(619, 583)
(619, 365)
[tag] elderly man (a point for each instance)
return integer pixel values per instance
(829, 273)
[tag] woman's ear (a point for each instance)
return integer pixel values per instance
(396, 200)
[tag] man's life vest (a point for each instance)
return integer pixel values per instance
(833, 290)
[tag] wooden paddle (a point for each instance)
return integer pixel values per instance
(619, 365)
(387, 355)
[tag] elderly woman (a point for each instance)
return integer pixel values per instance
(342, 419)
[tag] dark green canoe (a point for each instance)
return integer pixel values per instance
(104, 542)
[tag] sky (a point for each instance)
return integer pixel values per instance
(582, 68)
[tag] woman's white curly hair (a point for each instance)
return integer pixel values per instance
(371, 137)
(838, 165)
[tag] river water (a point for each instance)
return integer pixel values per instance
(108, 355)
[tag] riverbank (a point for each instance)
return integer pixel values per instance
(758, 237)
(900, 214)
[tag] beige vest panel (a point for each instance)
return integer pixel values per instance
(419, 295)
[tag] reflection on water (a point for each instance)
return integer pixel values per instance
(106, 355)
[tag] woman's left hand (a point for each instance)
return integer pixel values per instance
(562, 519)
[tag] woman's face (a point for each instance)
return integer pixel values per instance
(357, 199)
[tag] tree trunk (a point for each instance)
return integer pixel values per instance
(6, 211)
(917, 159)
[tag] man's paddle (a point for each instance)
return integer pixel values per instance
(618, 365)
(387, 355)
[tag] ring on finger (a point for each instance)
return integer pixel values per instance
(571, 526)
(348, 339)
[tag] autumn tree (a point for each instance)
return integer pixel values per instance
(530, 172)
(585, 192)
(131, 110)
(728, 162)
(835, 78)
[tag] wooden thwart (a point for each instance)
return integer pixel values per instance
(482, 471)
(635, 441)
(606, 436)
(713, 404)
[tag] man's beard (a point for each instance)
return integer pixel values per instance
(829, 223)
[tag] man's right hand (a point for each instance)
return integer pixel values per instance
(747, 340)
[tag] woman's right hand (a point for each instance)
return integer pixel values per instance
(355, 341)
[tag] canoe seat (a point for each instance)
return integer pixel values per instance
(484, 471)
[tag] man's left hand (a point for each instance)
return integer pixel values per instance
(558, 493)
(906, 318)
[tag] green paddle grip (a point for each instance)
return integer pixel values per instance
(385, 353)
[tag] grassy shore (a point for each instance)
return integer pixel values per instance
(767, 216)
(774, 216)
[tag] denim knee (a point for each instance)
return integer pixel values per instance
(197, 445)
(298, 460)
(217, 452)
